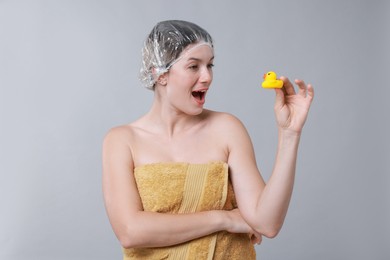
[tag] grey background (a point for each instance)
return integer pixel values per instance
(68, 73)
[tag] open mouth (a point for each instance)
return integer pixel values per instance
(199, 95)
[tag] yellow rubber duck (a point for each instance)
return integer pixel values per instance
(271, 81)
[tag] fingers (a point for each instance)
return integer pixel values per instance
(256, 238)
(279, 98)
(302, 87)
(288, 86)
(260, 239)
(304, 90)
(310, 91)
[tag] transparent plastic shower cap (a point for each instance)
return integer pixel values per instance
(164, 46)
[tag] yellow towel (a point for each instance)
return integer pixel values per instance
(184, 188)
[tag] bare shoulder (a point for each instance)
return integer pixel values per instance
(119, 142)
(227, 129)
(117, 150)
(225, 120)
(123, 134)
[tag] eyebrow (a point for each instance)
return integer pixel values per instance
(196, 59)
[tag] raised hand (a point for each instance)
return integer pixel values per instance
(291, 108)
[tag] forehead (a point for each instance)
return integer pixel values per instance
(199, 51)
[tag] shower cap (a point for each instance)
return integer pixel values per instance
(163, 47)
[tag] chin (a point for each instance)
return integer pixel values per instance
(195, 112)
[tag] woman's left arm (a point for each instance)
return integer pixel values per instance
(264, 206)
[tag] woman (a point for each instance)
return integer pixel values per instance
(176, 184)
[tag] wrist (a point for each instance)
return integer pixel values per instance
(220, 218)
(288, 140)
(288, 133)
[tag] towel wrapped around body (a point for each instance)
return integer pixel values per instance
(178, 188)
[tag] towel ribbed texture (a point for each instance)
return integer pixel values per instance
(185, 188)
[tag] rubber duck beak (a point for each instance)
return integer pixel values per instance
(264, 75)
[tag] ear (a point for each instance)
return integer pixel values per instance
(162, 79)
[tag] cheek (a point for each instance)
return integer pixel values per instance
(177, 90)
(185, 82)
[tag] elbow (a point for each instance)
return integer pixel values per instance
(270, 231)
(132, 234)
(129, 239)
(126, 241)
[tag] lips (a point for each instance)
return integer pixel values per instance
(199, 96)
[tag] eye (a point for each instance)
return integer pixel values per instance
(210, 66)
(193, 67)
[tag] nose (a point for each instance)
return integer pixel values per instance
(206, 75)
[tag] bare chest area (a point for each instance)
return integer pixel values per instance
(192, 148)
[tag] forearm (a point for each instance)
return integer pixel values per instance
(150, 229)
(274, 200)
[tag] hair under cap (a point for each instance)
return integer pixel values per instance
(163, 46)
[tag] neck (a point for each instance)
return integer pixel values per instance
(168, 120)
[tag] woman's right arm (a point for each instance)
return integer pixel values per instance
(137, 228)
